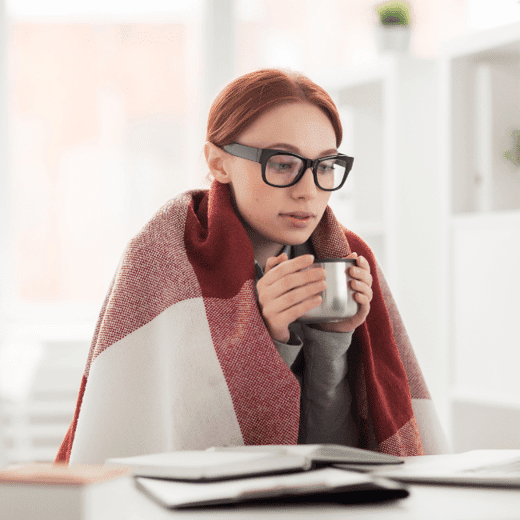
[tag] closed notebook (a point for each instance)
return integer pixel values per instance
(51, 492)
(318, 485)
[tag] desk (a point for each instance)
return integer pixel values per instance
(426, 502)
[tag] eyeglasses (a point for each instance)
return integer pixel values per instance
(282, 169)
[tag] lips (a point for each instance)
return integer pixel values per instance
(302, 215)
(298, 219)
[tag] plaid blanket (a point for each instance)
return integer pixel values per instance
(181, 358)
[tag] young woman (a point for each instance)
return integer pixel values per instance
(197, 344)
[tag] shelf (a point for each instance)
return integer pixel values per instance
(481, 82)
(484, 45)
(477, 396)
(484, 218)
(360, 96)
(384, 108)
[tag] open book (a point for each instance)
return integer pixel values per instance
(242, 461)
(202, 465)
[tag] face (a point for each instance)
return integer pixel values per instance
(274, 217)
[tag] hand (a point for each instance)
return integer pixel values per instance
(362, 285)
(288, 290)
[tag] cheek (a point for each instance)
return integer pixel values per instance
(244, 181)
(325, 200)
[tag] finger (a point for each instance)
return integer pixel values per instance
(297, 280)
(363, 300)
(298, 295)
(362, 272)
(294, 312)
(290, 291)
(362, 288)
(273, 261)
(362, 262)
(288, 267)
(279, 313)
(361, 275)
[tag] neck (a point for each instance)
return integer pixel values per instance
(262, 247)
(262, 253)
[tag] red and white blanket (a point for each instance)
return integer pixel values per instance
(181, 358)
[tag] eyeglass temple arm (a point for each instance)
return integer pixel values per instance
(246, 152)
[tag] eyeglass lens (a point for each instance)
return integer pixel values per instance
(281, 170)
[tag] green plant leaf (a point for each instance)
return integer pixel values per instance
(394, 13)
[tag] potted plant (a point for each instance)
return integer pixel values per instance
(394, 29)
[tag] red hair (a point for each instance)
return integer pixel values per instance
(248, 97)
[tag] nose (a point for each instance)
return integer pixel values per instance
(305, 187)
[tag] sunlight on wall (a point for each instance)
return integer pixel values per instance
(481, 14)
(98, 144)
(101, 9)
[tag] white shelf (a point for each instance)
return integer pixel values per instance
(484, 218)
(383, 108)
(477, 396)
(480, 77)
(485, 44)
(479, 83)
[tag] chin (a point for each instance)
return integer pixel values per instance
(296, 241)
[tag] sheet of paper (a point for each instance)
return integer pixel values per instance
(489, 468)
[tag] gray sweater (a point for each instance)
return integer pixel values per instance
(319, 361)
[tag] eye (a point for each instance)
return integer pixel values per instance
(326, 167)
(283, 164)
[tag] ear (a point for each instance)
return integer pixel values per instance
(215, 157)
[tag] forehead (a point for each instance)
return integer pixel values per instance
(302, 125)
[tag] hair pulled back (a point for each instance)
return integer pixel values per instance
(248, 97)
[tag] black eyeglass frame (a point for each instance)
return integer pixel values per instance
(262, 155)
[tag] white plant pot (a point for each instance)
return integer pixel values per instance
(393, 38)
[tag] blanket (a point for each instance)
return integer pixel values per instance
(181, 357)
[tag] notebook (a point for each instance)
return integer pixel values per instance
(227, 475)
(321, 454)
(202, 465)
(490, 468)
(242, 461)
(318, 485)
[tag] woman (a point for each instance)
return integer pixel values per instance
(197, 343)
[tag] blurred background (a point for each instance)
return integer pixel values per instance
(103, 106)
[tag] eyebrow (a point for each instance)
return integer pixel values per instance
(295, 149)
